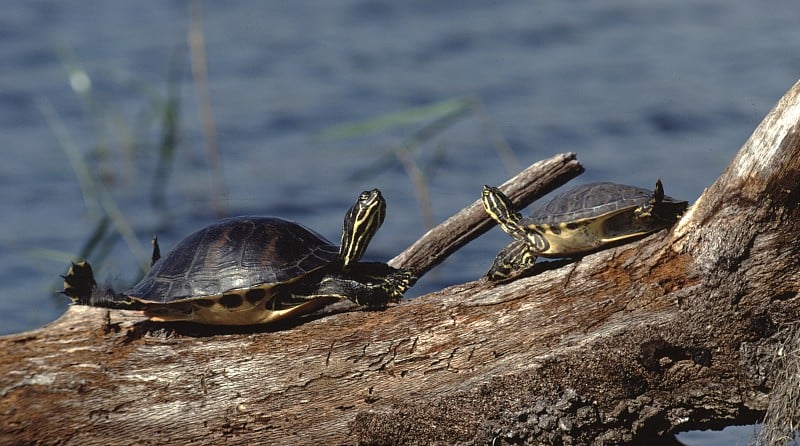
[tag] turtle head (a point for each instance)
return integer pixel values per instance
(502, 211)
(360, 224)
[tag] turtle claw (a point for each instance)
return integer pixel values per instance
(401, 281)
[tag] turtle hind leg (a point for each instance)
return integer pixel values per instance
(653, 205)
(81, 287)
(79, 283)
(658, 193)
(156, 251)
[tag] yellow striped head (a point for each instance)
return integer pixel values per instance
(360, 225)
(502, 211)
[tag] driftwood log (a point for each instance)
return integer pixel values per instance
(676, 331)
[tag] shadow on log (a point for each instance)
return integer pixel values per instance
(673, 332)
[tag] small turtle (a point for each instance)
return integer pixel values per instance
(253, 270)
(579, 221)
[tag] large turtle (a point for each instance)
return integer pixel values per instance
(581, 220)
(253, 270)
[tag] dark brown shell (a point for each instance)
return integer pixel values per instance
(235, 254)
(592, 201)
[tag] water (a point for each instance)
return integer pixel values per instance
(638, 90)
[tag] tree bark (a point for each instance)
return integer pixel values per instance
(673, 332)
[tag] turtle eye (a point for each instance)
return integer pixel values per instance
(369, 196)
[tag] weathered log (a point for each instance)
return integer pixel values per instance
(673, 332)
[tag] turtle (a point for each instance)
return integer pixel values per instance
(581, 220)
(253, 270)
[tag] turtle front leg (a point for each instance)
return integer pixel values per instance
(371, 294)
(393, 281)
(390, 288)
(372, 284)
(517, 256)
(396, 283)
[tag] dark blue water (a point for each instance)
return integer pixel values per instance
(640, 90)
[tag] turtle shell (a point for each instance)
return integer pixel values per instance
(235, 254)
(591, 201)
